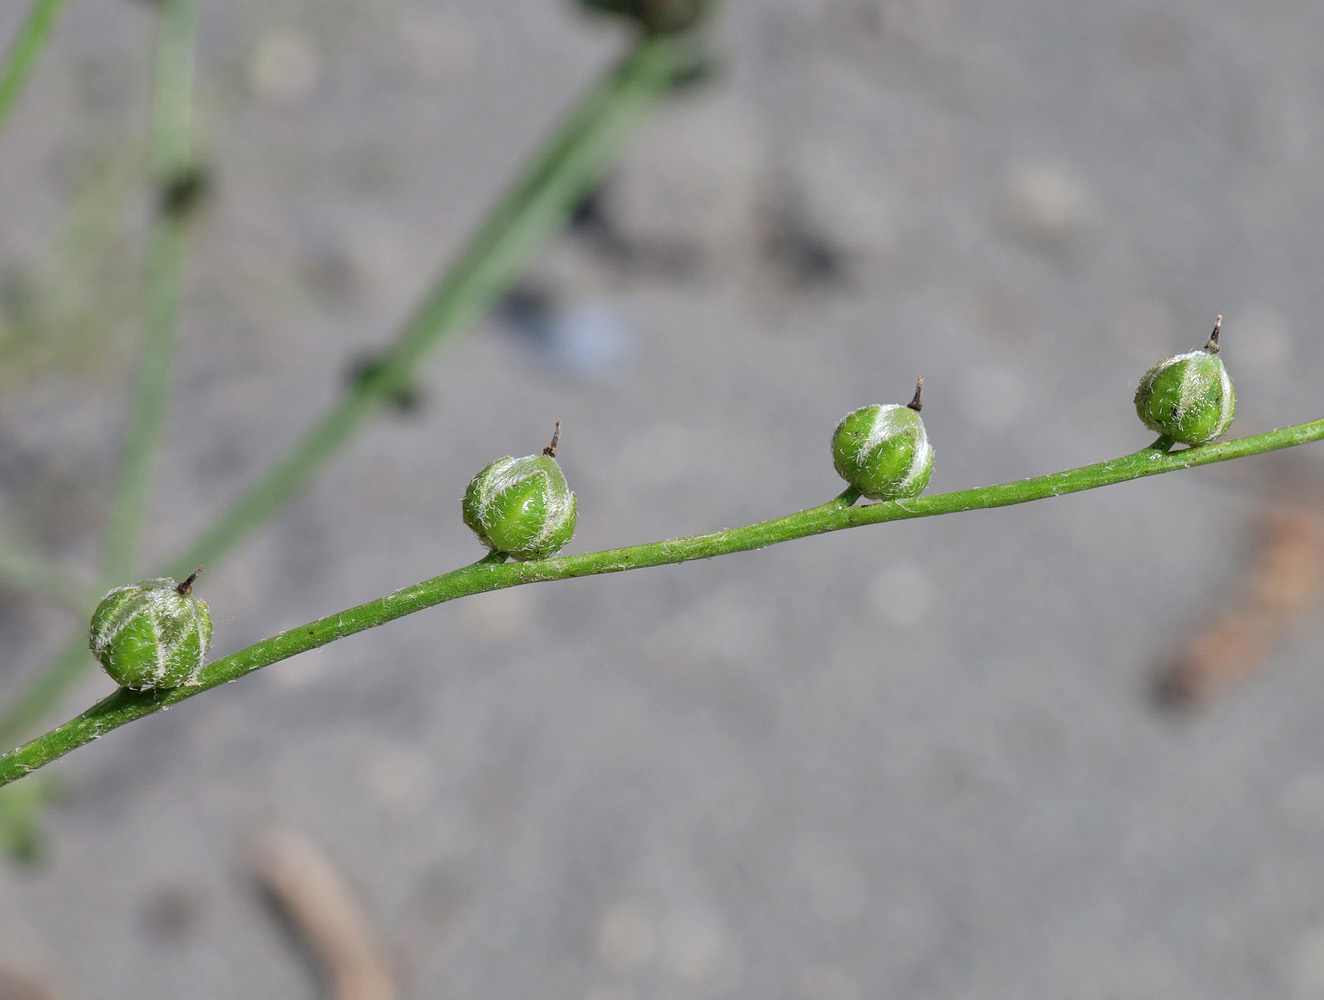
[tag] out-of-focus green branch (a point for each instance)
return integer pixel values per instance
(570, 164)
(171, 157)
(24, 51)
(41, 579)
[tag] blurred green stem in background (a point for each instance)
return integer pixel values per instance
(171, 157)
(23, 51)
(38, 578)
(492, 573)
(535, 208)
(531, 213)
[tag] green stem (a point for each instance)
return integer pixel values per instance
(22, 56)
(489, 574)
(534, 209)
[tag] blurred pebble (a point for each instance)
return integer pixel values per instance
(902, 594)
(1049, 206)
(284, 67)
(626, 936)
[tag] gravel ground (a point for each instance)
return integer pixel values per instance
(919, 760)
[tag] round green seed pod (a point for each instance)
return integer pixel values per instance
(883, 450)
(1189, 397)
(151, 634)
(522, 507)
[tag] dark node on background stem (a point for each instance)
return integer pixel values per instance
(182, 194)
(656, 17)
(916, 403)
(591, 214)
(698, 66)
(1213, 347)
(550, 450)
(403, 398)
(186, 588)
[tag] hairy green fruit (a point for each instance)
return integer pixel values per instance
(883, 450)
(522, 507)
(151, 634)
(1189, 397)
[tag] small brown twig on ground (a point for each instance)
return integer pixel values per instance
(1284, 582)
(312, 897)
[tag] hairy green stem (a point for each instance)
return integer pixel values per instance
(491, 573)
(22, 55)
(571, 162)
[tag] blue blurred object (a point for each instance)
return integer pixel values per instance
(592, 340)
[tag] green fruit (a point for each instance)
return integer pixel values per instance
(1189, 397)
(151, 634)
(883, 450)
(522, 507)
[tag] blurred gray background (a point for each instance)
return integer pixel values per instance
(920, 760)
